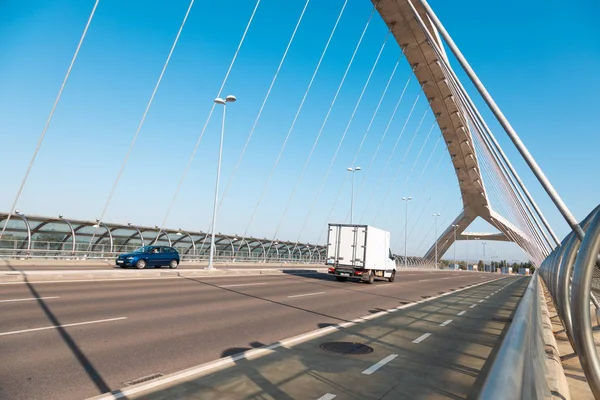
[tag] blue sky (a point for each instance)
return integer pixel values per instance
(538, 60)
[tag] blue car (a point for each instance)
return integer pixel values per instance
(153, 256)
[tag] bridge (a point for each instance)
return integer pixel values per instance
(356, 112)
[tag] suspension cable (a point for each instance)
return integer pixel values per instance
(260, 111)
(297, 184)
(362, 142)
(43, 135)
(415, 162)
(368, 169)
(389, 218)
(387, 163)
(193, 155)
(139, 128)
(295, 118)
(339, 146)
(387, 192)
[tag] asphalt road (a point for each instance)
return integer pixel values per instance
(117, 331)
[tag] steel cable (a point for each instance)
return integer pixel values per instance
(141, 124)
(50, 116)
(193, 155)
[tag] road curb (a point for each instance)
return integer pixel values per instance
(555, 374)
(49, 276)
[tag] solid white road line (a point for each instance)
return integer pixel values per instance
(328, 396)
(306, 294)
(473, 306)
(202, 277)
(62, 326)
(421, 338)
(461, 313)
(380, 364)
(94, 280)
(445, 322)
(243, 284)
(258, 352)
(31, 299)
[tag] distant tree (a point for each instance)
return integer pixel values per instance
(50, 237)
(480, 265)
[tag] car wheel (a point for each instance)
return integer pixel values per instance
(370, 278)
(341, 278)
(173, 264)
(391, 278)
(141, 264)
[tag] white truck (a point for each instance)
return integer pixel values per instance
(360, 252)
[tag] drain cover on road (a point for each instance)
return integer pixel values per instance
(142, 379)
(346, 348)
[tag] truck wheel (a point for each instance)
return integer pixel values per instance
(370, 278)
(341, 278)
(391, 278)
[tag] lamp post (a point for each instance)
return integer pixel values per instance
(353, 171)
(466, 252)
(483, 243)
(455, 228)
(476, 252)
(406, 199)
(436, 216)
(218, 100)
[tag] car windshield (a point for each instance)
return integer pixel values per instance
(144, 249)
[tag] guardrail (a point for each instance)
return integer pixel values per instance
(518, 371)
(45, 250)
(226, 256)
(570, 273)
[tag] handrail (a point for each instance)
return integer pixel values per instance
(568, 273)
(518, 372)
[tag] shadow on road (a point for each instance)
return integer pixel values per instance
(452, 365)
(83, 360)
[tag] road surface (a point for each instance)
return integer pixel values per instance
(75, 340)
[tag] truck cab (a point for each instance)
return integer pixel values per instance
(359, 252)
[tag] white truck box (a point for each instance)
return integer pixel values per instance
(359, 251)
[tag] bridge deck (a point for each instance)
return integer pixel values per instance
(451, 362)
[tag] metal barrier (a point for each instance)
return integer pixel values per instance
(106, 254)
(570, 273)
(519, 369)
(46, 250)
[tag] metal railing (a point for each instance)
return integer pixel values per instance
(518, 371)
(48, 250)
(572, 275)
(13, 249)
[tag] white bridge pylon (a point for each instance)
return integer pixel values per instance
(452, 118)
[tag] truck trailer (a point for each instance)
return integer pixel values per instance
(359, 252)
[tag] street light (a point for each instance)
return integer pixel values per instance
(483, 243)
(406, 199)
(353, 170)
(455, 228)
(435, 216)
(218, 100)
(476, 252)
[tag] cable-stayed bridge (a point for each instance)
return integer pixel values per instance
(363, 120)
